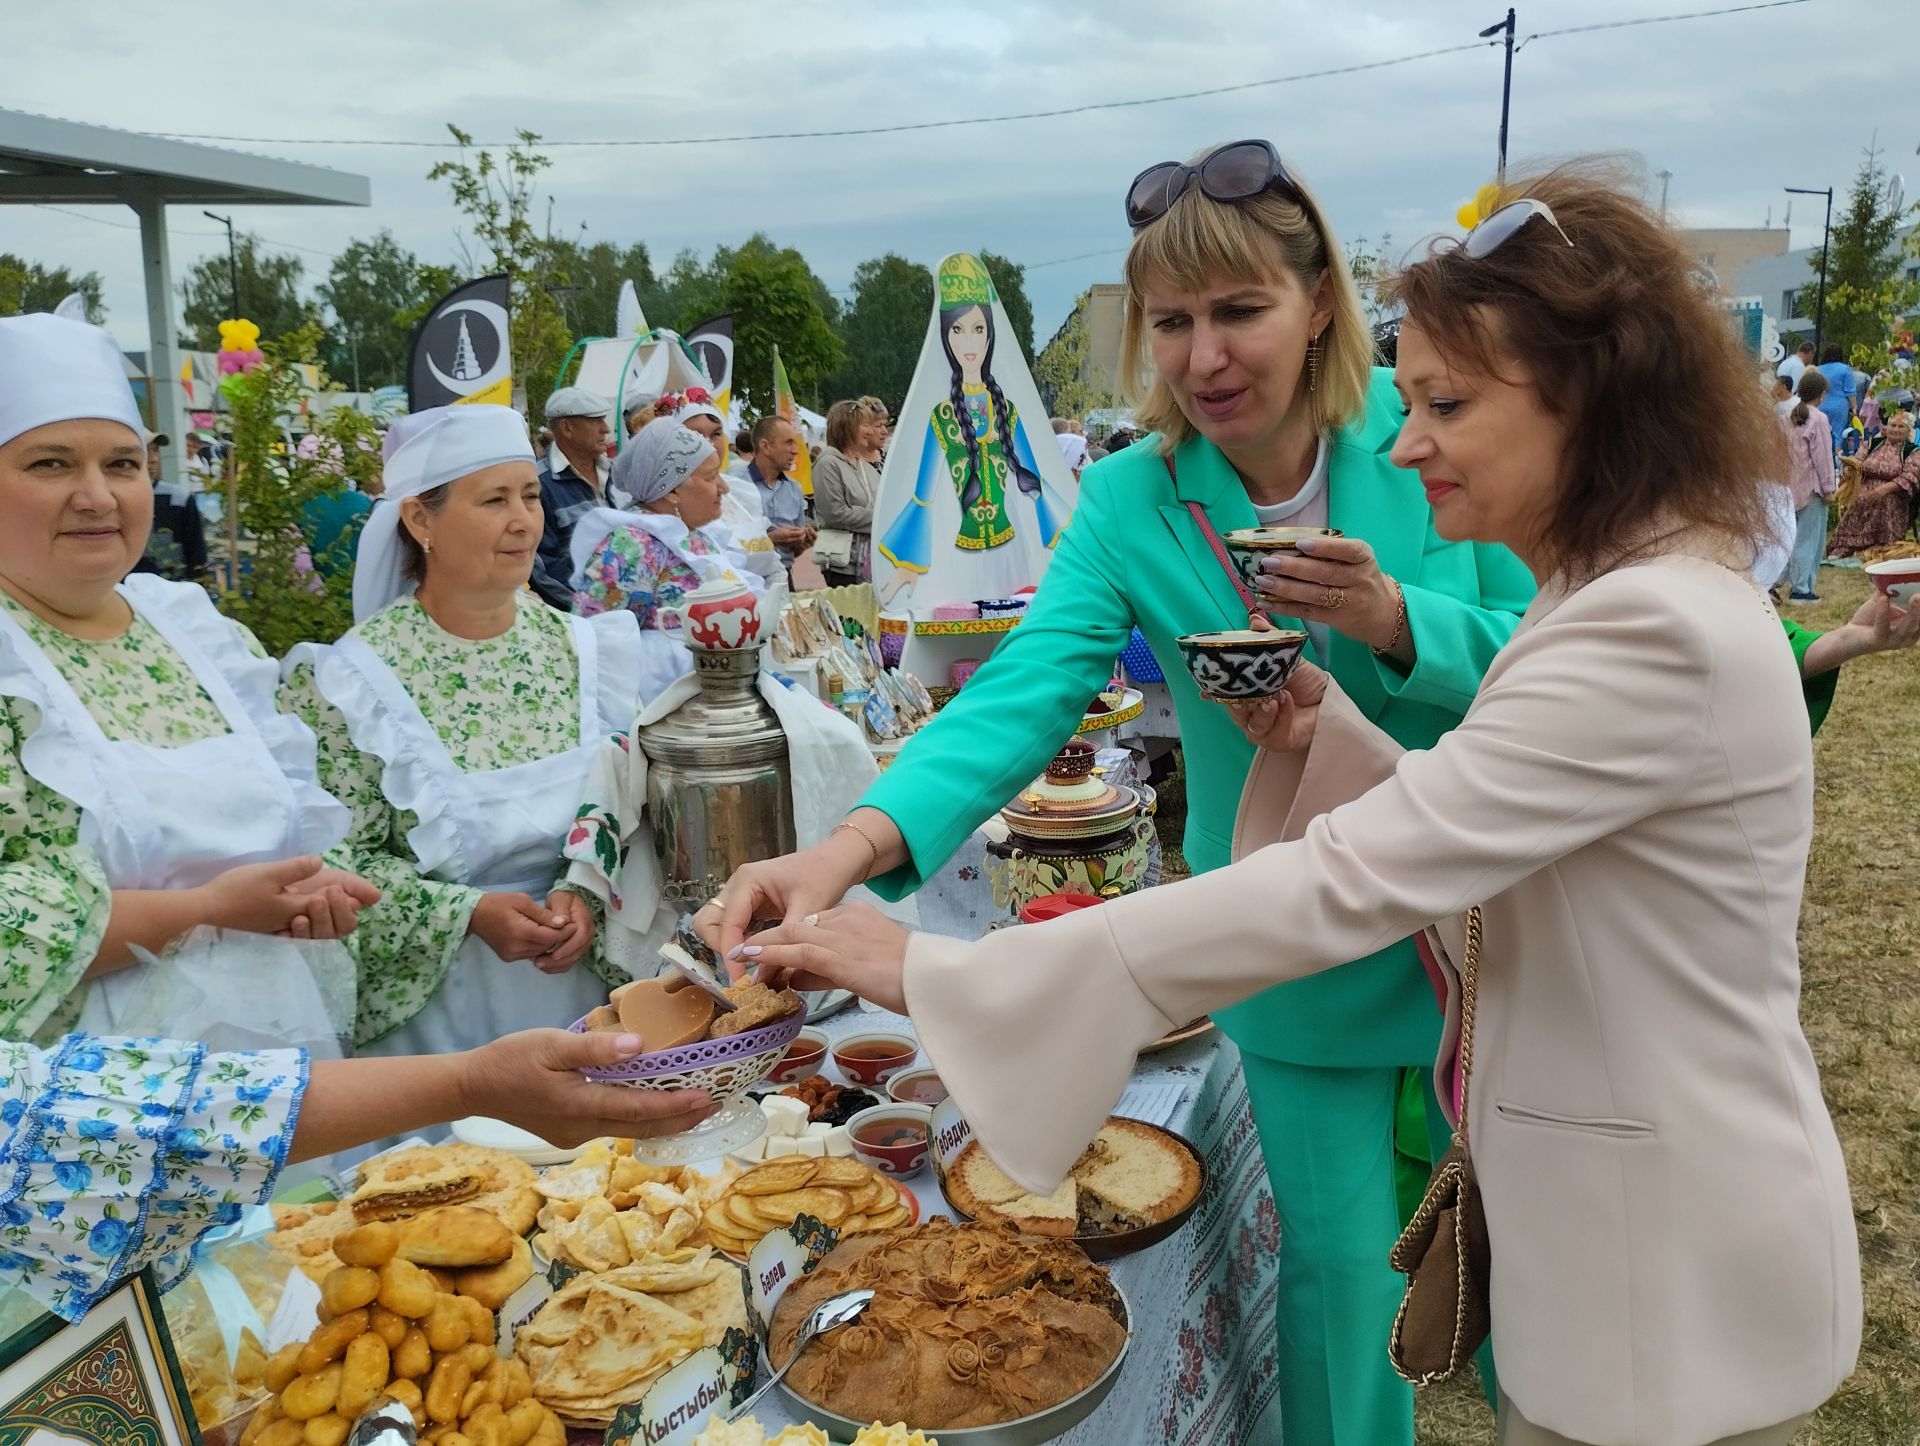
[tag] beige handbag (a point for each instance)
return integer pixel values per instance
(1443, 1252)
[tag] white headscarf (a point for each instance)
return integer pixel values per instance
(423, 451)
(1074, 448)
(657, 459)
(55, 370)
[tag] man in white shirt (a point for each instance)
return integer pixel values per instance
(1797, 361)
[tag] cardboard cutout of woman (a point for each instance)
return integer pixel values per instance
(1006, 513)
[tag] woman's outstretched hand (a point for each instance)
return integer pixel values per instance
(854, 947)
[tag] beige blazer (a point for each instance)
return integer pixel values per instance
(1630, 798)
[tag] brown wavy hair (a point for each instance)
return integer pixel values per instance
(1666, 431)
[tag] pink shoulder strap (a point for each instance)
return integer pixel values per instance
(1252, 603)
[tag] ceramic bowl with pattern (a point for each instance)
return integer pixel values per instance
(1898, 578)
(1240, 663)
(1247, 545)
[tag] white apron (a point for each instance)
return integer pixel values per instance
(501, 831)
(173, 818)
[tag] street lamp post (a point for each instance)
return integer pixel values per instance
(1826, 239)
(233, 264)
(1506, 86)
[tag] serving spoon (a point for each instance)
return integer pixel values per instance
(832, 1313)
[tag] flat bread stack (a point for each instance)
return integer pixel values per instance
(602, 1340)
(1132, 1176)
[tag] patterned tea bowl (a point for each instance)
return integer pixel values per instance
(721, 614)
(1247, 545)
(1898, 578)
(1240, 663)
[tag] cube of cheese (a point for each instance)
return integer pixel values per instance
(785, 1115)
(839, 1142)
(757, 1150)
(778, 1145)
(811, 1145)
(820, 1128)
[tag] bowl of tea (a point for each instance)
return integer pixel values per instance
(892, 1138)
(917, 1087)
(802, 1059)
(873, 1059)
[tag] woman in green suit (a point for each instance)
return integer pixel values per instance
(1257, 362)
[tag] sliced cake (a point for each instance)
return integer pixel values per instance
(1142, 1178)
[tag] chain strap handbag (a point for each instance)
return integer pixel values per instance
(1443, 1252)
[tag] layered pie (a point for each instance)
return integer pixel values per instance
(971, 1325)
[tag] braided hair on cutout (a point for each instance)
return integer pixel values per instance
(1002, 416)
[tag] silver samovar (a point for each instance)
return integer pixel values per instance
(719, 789)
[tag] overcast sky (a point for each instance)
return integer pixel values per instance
(1735, 107)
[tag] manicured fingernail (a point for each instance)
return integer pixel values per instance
(1307, 544)
(628, 1044)
(747, 951)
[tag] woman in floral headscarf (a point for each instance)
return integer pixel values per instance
(669, 539)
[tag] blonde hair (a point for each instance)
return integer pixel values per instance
(1258, 240)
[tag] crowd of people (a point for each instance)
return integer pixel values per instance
(1844, 448)
(1546, 690)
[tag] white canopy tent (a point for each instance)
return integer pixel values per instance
(65, 163)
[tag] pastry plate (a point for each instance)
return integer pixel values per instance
(1034, 1430)
(1197, 1029)
(907, 1198)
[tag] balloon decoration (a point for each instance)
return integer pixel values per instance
(239, 348)
(1485, 202)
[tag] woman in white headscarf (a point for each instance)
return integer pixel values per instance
(740, 514)
(147, 784)
(669, 540)
(457, 720)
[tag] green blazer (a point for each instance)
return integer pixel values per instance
(1133, 555)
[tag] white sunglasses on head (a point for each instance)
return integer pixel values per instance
(1503, 225)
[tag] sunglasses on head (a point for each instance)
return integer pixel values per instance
(1235, 172)
(1506, 223)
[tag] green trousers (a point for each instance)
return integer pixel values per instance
(1328, 1137)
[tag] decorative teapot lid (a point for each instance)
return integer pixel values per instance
(1070, 800)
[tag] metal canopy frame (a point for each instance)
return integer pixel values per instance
(51, 162)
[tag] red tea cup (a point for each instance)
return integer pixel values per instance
(1054, 906)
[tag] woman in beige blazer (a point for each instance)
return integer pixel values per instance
(1629, 798)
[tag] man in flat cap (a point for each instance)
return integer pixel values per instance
(572, 480)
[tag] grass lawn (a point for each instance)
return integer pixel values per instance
(1860, 962)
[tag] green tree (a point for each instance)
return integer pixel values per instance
(496, 195)
(27, 286)
(430, 283)
(777, 301)
(1868, 293)
(882, 328)
(281, 599)
(590, 281)
(1010, 281)
(1060, 371)
(269, 293)
(370, 287)
(691, 291)
(1371, 266)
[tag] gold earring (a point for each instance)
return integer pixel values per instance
(1313, 365)
(426, 544)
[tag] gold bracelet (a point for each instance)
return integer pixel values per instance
(866, 838)
(1399, 621)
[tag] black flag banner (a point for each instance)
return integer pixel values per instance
(712, 343)
(460, 351)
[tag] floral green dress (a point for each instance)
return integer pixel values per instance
(493, 703)
(54, 896)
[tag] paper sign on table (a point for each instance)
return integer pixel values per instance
(951, 1134)
(674, 1411)
(1155, 1101)
(781, 1258)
